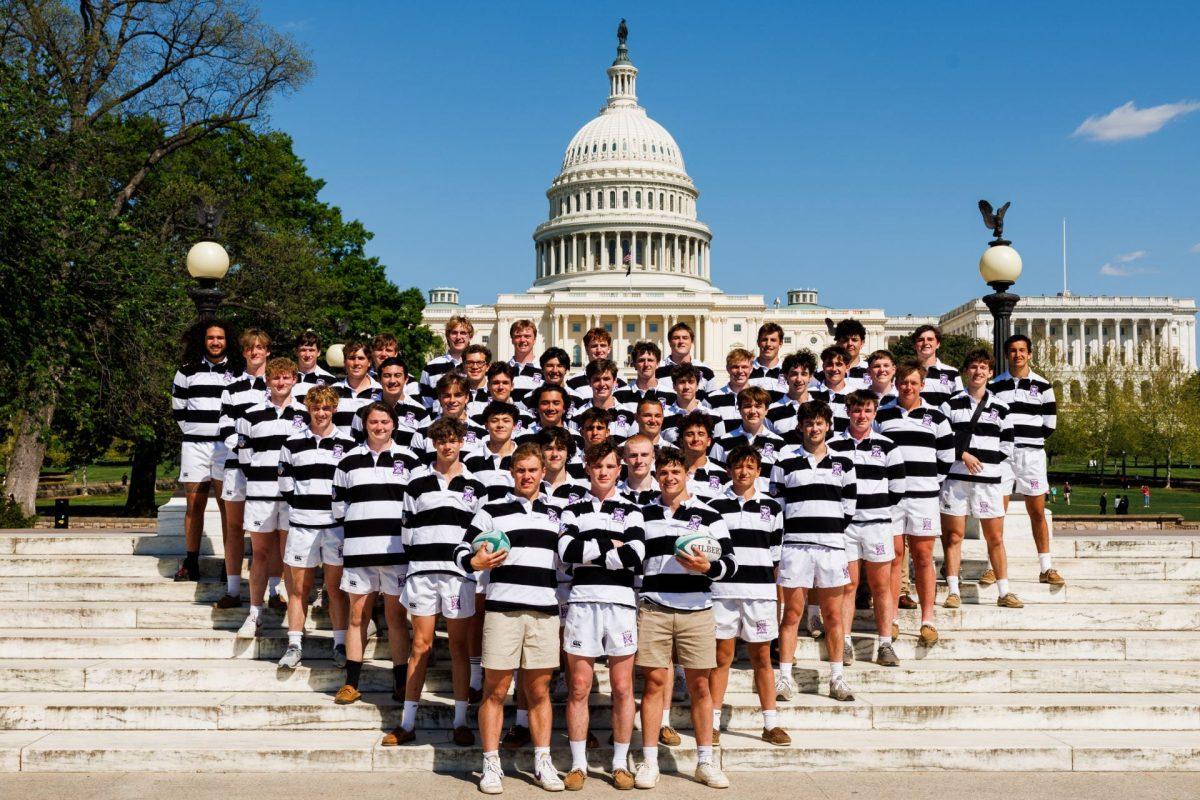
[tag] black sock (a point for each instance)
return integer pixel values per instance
(399, 678)
(353, 671)
(192, 560)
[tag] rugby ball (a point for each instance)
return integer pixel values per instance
(497, 539)
(698, 544)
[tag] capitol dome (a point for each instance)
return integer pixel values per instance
(622, 210)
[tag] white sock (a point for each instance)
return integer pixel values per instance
(952, 582)
(620, 756)
(272, 586)
(578, 755)
(770, 719)
(835, 670)
(523, 717)
(785, 670)
(339, 638)
(704, 754)
(233, 585)
(540, 754)
(295, 638)
(885, 640)
(716, 719)
(1043, 561)
(1002, 586)
(490, 755)
(666, 721)
(255, 612)
(460, 713)
(408, 720)
(476, 672)
(650, 756)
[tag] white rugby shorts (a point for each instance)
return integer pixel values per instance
(202, 461)
(592, 630)
(308, 547)
(233, 485)
(920, 516)
(872, 543)
(810, 566)
(748, 619)
(265, 516)
(1025, 473)
(971, 499)
(427, 594)
(388, 578)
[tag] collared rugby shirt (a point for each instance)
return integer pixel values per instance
(941, 382)
(837, 404)
(573, 489)
(437, 513)
(639, 497)
(926, 444)
(1031, 407)
(528, 578)
(818, 497)
(664, 580)
(351, 401)
(579, 389)
(307, 464)
(673, 415)
(196, 399)
(756, 530)
(529, 377)
(879, 470)
(435, 368)
(707, 376)
(261, 433)
(769, 447)
(707, 481)
(307, 380)
(782, 414)
(992, 442)
(771, 379)
(601, 572)
(858, 377)
(368, 500)
(527, 433)
(492, 471)
(723, 402)
(622, 423)
(238, 397)
(631, 395)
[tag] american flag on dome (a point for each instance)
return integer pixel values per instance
(628, 262)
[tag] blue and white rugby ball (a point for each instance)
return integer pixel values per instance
(698, 544)
(497, 539)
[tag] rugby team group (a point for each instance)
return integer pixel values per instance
(550, 518)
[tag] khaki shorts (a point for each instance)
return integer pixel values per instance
(692, 634)
(520, 639)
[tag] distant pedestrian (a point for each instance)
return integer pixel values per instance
(124, 479)
(1104, 502)
(1067, 492)
(1145, 496)
(1053, 494)
(1122, 506)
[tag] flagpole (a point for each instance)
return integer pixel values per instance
(1066, 290)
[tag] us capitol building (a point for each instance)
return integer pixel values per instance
(623, 248)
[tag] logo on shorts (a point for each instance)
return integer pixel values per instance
(618, 515)
(1033, 483)
(627, 638)
(926, 524)
(455, 603)
(398, 468)
(876, 451)
(576, 643)
(338, 451)
(694, 523)
(468, 494)
(352, 581)
(878, 549)
(714, 481)
(761, 628)
(837, 468)
(764, 513)
(846, 572)
(984, 507)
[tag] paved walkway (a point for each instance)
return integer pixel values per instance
(820, 785)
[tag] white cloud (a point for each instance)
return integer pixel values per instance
(1112, 270)
(1125, 258)
(1130, 122)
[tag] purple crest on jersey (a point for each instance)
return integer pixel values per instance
(398, 468)
(537, 377)
(228, 376)
(837, 468)
(714, 481)
(471, 437)
(552, 514)
(927, 421)
(618, 515)
(764, 513)
(574, 498)
(338, 451)
(297, 421)
(945, 379)
(320, 381)
(1034, 391)
(469, 494)
(694, 523)
(376, 394)
(876, 451)
(994, 414)
(781, 380)
(409, 418)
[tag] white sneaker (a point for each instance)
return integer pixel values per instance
(840, 690)
(646, 776)
(547, 775)
(785, 688)
(711, 776)
(492, 781)
(558, 692)
(250, 628)
(291, 657)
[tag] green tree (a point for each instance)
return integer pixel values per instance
(952, 351)
(1168, 420)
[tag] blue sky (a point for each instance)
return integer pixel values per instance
(837, 146)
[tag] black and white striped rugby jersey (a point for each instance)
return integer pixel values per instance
(437, 515)
(368, 500)
(238, 397)
(631, 395)
(879, 472)
(673, 415)
(350, 401)
(723, 402)
(527, 378)
(307, 380)
(602, 572)
(769, 447)
(1031, 407)
(435, 368)
(926, 444)
(858, 377)
(639, 497)
(528, 578)
(307, 464)
(818, 496)
(196, 399)
(770, 379)
(261, 433)
(941, 382)
(992, 441)
(664, 580)
(756, 529)
(707, 480)
(493, 471)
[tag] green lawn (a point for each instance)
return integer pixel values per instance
(111, 473)
(1086, 500)
(1114, 468)
(46, 505)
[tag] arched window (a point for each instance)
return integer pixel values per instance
(650, 200)
(577, 202)
(625, 199)
(652, 150)
(604, 147)
(1076, 392)
(589, 201)
(660, 201)
(637, 199)
(612, 199)
(600, 200)
(672, 203)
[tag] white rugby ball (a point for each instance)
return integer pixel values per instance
(699, 544)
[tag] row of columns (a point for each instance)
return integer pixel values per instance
(1137, 342)
(592, 252)
(564, 337)
(615, 199)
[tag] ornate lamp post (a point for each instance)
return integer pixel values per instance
(1000, 267)
(208, 263)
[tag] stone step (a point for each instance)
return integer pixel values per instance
(359, 751)
(100, 566)
(1137, 591)
(1072, 569)
(86, 590)
(293, 711)
(148, 543)
(962, 645)
(319, 675)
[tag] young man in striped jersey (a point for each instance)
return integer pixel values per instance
(766, 372)
(555, 364)
(602, 541)
(1034, 415)
(523, 335)
(983, 442)
(550, 404)
(368, 500)
(452, 398)
(196, 408)
(850, 335)
(646, 358)
(753, 402)
(881, 370)
(521, 620)
(746, 607)
(639, 485)
(676, 614)
(870, 536)
(818, 489)
(723, 401)
(835, 361)
(941, 380)
(799, 370)
(491, 462)
(681, 339)
(926, 444)
(475, 362)
(649, 418)
(685, 381)
(593, 426)
(239, 396)
(309, 372)
(439, 503)
(383, 346)
(458, 333)
(261, 432)
(307, 463)
(706, 478)
(356, 390)
(597, 344)
(602, 377)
